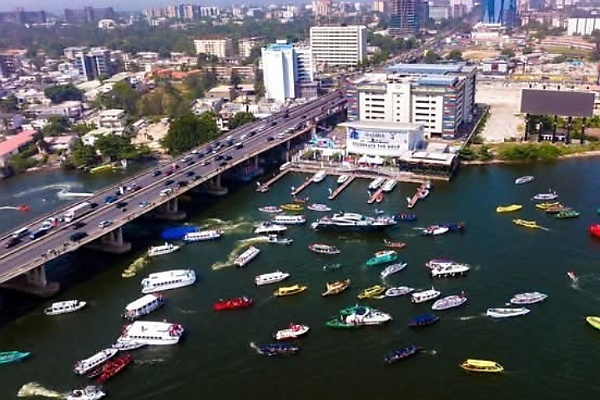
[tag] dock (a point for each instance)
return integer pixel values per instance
(304, 185)
(375, 196)
(340, 188)
(265, 186)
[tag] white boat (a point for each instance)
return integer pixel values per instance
(162, 249)
(270, 278)
(270, 209)
(211, 234)
(422, 194)
(528, 298)
(64, 307)
(524, 179)
(318, 207)
(85, 365)
(439, 263)
(392, 269)
(449, 302)
(450, 271)
(143, 306)
(506, 312)
(248, 255)
(274, 239)
(319, 176)
(289, 219)
(269, 227)
(398, 291)
(435, 230)
(551, 195)
(367, 316)
(173, 279)
(151, 333)
(342, 178)
(344, 221)
(89, 392)
(376, 183)
(425, 295)
(292, 332)
(389, 185)
(128, 346)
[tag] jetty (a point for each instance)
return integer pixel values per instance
(304, 185)
(378, 194)
(421, 193)
(340, 188)
(265, 186)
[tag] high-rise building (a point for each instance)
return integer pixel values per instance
(279, 71)
(304, 63)
(8, 65)
(502, 12)
(322, 8)
(88, 15)
(20, 16)
(245, 45)
(94, 64)
(219, 47)
(379, 6)
(407, 16)
(338, 46)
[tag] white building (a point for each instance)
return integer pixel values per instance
(383, 139)
(245, 45)
(279, 71)
(113, 119)
(305, 64)
(582, 26)
(90, 138)
(338, 46)
(220, 48)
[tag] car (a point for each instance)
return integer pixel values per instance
(110, 199)
(223, 163)
(77, 236)
(286, 115)
(170, 172)
(121, 204)
(191, 162)
(200, 155)
(196, 177)
(77, 225)
(93, 205)
(304, 117)
(169, 182)
(273, 123)
(105, 223)
(205, 163)
(244, 136)
(12, 242)
(165, 192)
(182, 183)
(239, 145)
(270, 139)
(187, 158)
(252, 133)
(189, 173)
(135, 188)
(228, 157)
(195, 151)
(143, 204)
(157, 173)
(229, 143)
(219, 157)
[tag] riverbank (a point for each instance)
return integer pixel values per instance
(521, 153)
(586, 154)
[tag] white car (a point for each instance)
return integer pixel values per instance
(105, 223)
(143, 204)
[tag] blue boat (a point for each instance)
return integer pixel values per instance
(275, 349)
(400, 354)
(455, 226)
(8, 357)
(405, 217)
(423, 320)
(177, 233)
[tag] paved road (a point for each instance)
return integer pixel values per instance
(29, 254)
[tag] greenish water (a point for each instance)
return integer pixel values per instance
(548, 354)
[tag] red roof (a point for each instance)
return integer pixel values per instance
(13, 142)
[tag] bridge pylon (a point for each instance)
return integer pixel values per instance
(170, 211)
(112, 243)
(33, 282)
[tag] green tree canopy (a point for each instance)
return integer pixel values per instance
(83, 155)
(189, 131)
(241, 118)
(60, 93)
(121, 96)
(455, 55)
(56, 125)
(431, 57)
(8, 104)
(115, 147)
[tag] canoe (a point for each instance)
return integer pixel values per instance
(525, 223)
(371, 292)
(510, 208)
(593, 321)
(474, 365)
(545, 206)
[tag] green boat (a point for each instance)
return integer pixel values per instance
(352, 309)
(331, 267)
(8, 357)
(338, 323)
(382, 257)
(567, 214)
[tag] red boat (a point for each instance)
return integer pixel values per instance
(232, 304)
(113, 367)
(595, 230)
(23, 208)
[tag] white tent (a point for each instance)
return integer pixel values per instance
(365, 159)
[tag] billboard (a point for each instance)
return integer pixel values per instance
(557, 102)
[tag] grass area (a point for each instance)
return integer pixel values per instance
(544, 151)
(567, 51)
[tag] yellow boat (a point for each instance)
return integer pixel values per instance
(545, 206)
(525, 223)
(505, 209)
(371, 292)
(336, 287)
(101, 168)
(481, 366)
(289, 290)
(292, 207)
(593, 321)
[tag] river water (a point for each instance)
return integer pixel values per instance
(550, 353)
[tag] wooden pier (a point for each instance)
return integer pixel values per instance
(304, 185)
(421, 193)
(343, 186)
(265, 186)
(375, 195)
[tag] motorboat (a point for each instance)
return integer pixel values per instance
(378, 198)
(322, 248)
(89, 392)
(248, 255)
(551, 195)
(398, 291)
(572, 276)
(293, 207)
(166, 280)
(269, 227)
(528, 298)
(401, 354)
(526, 223)
(439, 262)
(382, 257)
(510, 208)
(455, 226)
(506, 312)
(524, 179)
(376, 183)
(336, 287)
(151, 333)
(342, 178)
(300, 200)
(595, 230)
(289, 290)
(423, 320)
(293, 331)
(424, 296)
(274, 239)
(473, 365)
(143, 306)
(332, 267)
(83, 366)
(422, 193)
(64, 307)
(353, 222)
(270, 278)
(593, 321)
(270, 209)
(557, 209)
(113, 367)
(389, 185)
(128, 346)
(166, 248)
(450, 271)
(435, 230)
(275, 349)
(339, 322)
(371, 292)
(7, 357)
(318, 207)
(319, 176)
(566, 214)
(367, 316)
(545, 206)
(448, 302)
(289, 219)
(394, 245)
(405, 217)
(392, 269)
(211, 234)
(232, 304)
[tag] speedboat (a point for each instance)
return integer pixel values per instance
(162, 249)
(394, 245)
(423, 320)
(392, 269)
(401, 354)
(291, 332)
(425, 295)
(528, 298)
(275, 349)
(322, 248)
(143, 306)
(371, 292)
(211, 234)
(435, 230)
(248, 255)
(7, 357)
(289, 219)
(595, 230)
(270, 209)
(113, 367)
(551, 195)
(389, 185)
(318, 207)
(376, 183)
(342, 178)
(151, 333)
(450, 271)
(269, 227)
(398, 291)
(336, 287)
(339, 322)
(481, 366)
(566, 214)
(274, 239)
(526, 223)
(353, 222)
(405, 217)
(232, 304)
(87, 364)
(524, 179)
(448, 302)
(506, 312)
(382, 257)
(64, 307)
(289, 290)
(593, 321)
(572, 276)
(510, 208)
(89, 392)
(545, 206)
(294, 207)
(319, 176)
(271, 277)
(173, 279)
(367, 316)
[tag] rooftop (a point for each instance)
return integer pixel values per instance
(13, 142)
(114, 112)
(279, 47)
(381, 125)
(429, 69)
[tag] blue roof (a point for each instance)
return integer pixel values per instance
(279, 47)
(435, 80)
(433, 69)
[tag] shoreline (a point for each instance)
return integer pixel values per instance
(584, 154)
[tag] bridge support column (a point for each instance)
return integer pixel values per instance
(313, 130)
(112, 243)
(33, 282)
(216, 181)
(170, 211)
(255, 161)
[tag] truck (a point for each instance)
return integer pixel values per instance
(77, 211)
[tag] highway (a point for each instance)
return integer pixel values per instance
(31, 253)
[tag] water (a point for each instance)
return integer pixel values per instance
(548, 354)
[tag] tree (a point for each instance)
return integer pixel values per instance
(241, 118)
(235, 79)
(508, 52)
(8, 104)
(82, 128)
(189, 131)
(83, 155)
(455, 55)
(115, 147)
(56, 125)
(431, 57)
(259, 85)
(60, 93)
(121, 96)
(194, 85)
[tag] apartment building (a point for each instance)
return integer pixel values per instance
(219, 47)
(113, 120)
(338, 46)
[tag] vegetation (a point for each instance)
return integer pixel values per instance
(189, 131)
(82, 155)
(241, 118)
(60, 93)
(56, 126)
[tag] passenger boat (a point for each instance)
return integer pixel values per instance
(526, 223)
(545, 206)
(274, 239)
(166, 280)
(289, 290)
(232, 304)
(392, 269)
(89, 392)
(318, 207)
(382, 257)
(162, 249)
(511, 208)
(336, 287)
(394, 245)
(594, 230)
(567, 214)
(376, 183)
(7, 357)
(289, 219)
(64, 307)
(367, 316)
(83, 366)
(151, 333)
(551, 195)
(398, 291)
(143, 306)
(300, 201)
(528, 298)
(128, 346)
(435, 230)
(293, 331)
(269, 227)
(275, 349)
(371, 292)
(353, 222)
(481, 366)
(270, 209)
(270, 278)
(294, 207)
(405, 217)
(448, 302)
(322, 248)
(450, 271)
(425, 295)
(113, 367)
(401, 354)
(524, 179)
(319, 176)
(248, 255)
(211, 234)
(389, 185)
(423, 320)
(593, 321)
(506, 312)
(342, 178)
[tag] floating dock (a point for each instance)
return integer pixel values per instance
(421, 193)
(265, 186)
(340, 188)
(300, 188)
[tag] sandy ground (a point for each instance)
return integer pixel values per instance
(151, 134)
(505, 103)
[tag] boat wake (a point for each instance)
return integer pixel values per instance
(429, 352)
(55, 186)
(470, 317)
(255, 347)
(137, 265)
(9, 208)
(188, 311)
(238, 225)
(65, 194)
(252, 240)
(34, 389)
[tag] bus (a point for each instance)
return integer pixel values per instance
(20, 233)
